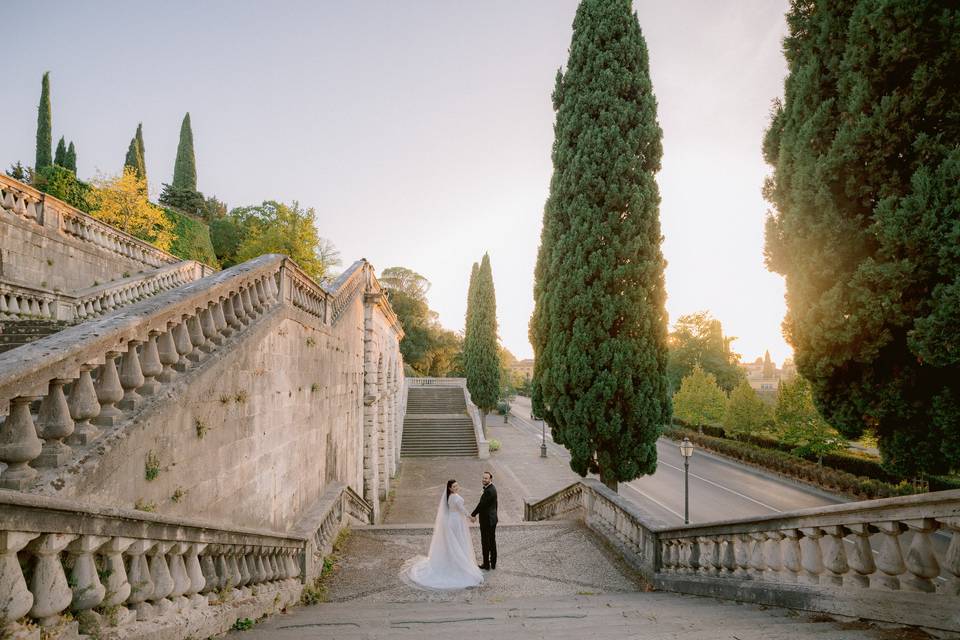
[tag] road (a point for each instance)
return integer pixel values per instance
(720, 489)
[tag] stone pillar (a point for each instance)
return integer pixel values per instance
(371, 475)
(383, 467)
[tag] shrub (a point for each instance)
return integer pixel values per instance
(494, 444)
(191, 238)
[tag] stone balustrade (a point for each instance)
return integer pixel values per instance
(112, 568)
(27, 203)
(896, 559)
(96, 301)
(320, 525)
(347, 286)
(483, 447)
(96, 375)
(20, 302)
(436, 382)
(306, 295)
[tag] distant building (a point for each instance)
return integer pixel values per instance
(764, 376)
(523, 369)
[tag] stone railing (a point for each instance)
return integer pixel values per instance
(483, 447)
(82, 389)
(345, 288)
(20, 302)
(896, 559)
(34, 206)
(114, 568)
(320, 525)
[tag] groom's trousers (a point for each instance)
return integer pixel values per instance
(488, 544)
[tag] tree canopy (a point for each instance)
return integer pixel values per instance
(481, 344)
(121, 201)
(700, 400)
(865, 150)
(599, 326)
(44, 126)
(697, 338)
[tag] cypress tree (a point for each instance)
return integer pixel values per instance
(467, 327)
(71, 158)
(44, 126)
(482, 351)
(599, 327)
(866, 155)
(135, 159)
(60, 156)
(142, 167)
(185, 167)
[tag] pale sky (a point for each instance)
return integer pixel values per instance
(420, 131)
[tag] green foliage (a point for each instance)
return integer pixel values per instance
(71, 158)
(151, 467)
(700, 400)
(800, 424)
(185, 166)
(427, 348)
(136, 158)
(243, 624)
(494, 445)
(60, 155)
(226, 234)
(191, 239)
(697, 338)
(866, 192)
(187, 200)
(62, 183)
(481, 347)
(44, 126)
(746, 412)
(275, 227)
(599, 327)
(18, 172)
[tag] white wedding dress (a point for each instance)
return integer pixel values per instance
(451, 563)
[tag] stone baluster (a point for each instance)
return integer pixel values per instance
(211, 581)
(294, 560)
(951, 559)
(225, 318)
(223, 571)
(710, 560)
(181, 338)
(790, 551)
(255, 299)
(199, 341)
(109, 392)
(811, 557)
(131, 377)
(248, 307)
(210, 328)
(245, 576)
(728, 562)
(261, 572)
(741, 548)
(921, 561)
(53, 425)
(162, 580)
(758, 564)
(773, 557)
(51, 591)
(167, 352)
(117, 586)
(195, 573)
(860, 557)
(150, 364)
(141, 583)
(236, 303)
(19, 445)
(889, 558)
(178, 572)
(834, 555)
(693, 555)
(83, 406)
(219, 322)
(17, 599)
(88, 591)
(666, 565)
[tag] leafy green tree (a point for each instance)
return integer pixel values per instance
(275, 227)
(227, 234)
(799, 423)
(71, 158)
(18, 172)
(186, 200)
(599, 327)
(121, 201)
(44, 126)
(185, 167)
(428, 348)
(62, 183)
(746, 413)
(60, 155)
(700, 400)
(697, 338)
(482, 352)
(866, 155)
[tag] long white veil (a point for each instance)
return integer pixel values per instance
(439, 542)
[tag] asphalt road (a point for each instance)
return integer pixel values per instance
(720, 489)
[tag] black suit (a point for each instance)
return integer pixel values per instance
(487, 511)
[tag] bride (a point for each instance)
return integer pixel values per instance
(451, 563)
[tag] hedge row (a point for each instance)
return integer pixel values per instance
(191, 238)
(789, 465)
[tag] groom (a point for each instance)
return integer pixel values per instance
(487, 510)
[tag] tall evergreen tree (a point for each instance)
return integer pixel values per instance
(71, 158)
(599, 327)
(866, 190)
(135, 159)
(185, 167)
(44, 126)
(60, 156)
(482, 352)
(467, 326)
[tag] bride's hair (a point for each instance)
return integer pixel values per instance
(450, 483)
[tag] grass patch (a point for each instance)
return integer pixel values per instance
(151, 468)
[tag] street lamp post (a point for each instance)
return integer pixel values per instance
(543, 438)
(686, 450)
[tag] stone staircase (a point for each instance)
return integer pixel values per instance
(14, 333)
(555, 580)
(437, 424)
